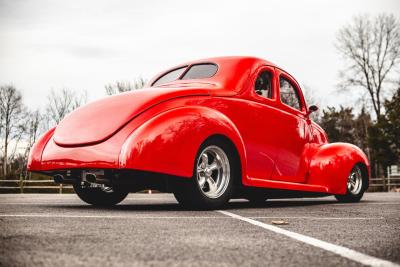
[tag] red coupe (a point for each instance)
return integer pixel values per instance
(207, 131)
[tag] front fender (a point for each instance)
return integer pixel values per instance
(169, 142)
(331, 164)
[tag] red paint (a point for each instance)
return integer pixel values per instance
(160, 129)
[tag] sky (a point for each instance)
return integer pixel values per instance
(84, 45)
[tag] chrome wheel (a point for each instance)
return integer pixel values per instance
(354, 182)
(213, 171)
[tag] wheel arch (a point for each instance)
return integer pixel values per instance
(219, 138)
(331, 164)
(169, 142)
(365, 173)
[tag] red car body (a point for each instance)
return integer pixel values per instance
(159, 129)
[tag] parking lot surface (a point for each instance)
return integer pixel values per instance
(153, 230)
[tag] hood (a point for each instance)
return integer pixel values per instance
(99, 120)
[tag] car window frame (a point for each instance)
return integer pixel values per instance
(185, 67)
(271, 91)
(297, 89)
(197, 64)
(259, 98)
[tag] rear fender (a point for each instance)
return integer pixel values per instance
(169, 142)
(331, 164)
(35, 154)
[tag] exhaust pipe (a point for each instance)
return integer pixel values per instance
(58, 178)
(95, 177)
(90, 177)
(61, 179)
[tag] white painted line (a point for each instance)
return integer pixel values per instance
(48, 215)
(171, 201)
(363, 203)
(316, 218)
(75, 198)
(342, 251)
(15, 201)
(110, 216)
(79, 202)
(42, 203)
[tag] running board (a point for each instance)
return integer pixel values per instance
(288, 185)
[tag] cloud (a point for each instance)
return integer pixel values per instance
(48, 44)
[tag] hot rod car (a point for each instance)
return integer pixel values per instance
(207, 131)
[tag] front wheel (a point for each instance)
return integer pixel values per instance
(356, 186)
(100, 195)
(211, 186)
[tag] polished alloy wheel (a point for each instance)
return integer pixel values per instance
(354, 182)
(213, 171)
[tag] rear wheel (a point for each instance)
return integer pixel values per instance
(99, 194)
(211, 186)
(356, 185)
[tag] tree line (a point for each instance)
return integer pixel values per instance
(369, 47)
(21, 127)
(379, 139)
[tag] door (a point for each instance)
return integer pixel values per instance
(261, 124)
(291, 163)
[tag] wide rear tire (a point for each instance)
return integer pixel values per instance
(100, 196)
(212, 184)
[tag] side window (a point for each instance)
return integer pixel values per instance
(169, 76)
(289, 94)
(263, 84)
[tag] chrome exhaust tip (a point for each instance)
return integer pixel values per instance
(58, 178)
(90, 177)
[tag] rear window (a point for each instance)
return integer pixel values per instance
(200, 71)
(170, 76)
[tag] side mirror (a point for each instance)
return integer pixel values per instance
(311, 109)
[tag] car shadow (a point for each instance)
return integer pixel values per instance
(233, 205)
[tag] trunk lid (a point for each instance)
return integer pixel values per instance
(99, 120)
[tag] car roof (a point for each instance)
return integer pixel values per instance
(233, 72)
(230, 59)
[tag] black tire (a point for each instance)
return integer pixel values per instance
(190, 193)
(100, 197)
(355, 193)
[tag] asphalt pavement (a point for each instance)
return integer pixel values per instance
(153, 230)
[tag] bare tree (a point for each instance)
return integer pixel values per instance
(124, 86)
(60, 103)
(12, 113)
(33, 129)
(371, 47)
(33, 126)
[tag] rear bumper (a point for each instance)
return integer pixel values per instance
(131, 180)
(100, 156)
